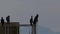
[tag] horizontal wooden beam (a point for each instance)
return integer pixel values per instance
(14, 24)
(24, 25)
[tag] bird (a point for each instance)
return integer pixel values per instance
(36, 19)
(8, 19)
(31, 20)
(2, 21)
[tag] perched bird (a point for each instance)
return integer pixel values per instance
(2, 21)
(31, 20)
(36, 19)
(8, 19)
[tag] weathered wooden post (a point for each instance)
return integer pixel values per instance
(34, 29)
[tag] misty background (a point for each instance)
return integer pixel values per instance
(21, 10)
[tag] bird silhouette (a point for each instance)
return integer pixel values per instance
(31, 20)
(2, 21)
(8, 19)
(36, 19)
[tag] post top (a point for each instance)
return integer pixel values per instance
(10, 24)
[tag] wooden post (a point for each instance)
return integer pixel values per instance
(5, 28)
(8, 28)
(34, 29)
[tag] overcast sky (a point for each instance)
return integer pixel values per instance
(21, 10)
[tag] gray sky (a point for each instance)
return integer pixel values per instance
(21, 10)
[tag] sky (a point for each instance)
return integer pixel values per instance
(21, 10)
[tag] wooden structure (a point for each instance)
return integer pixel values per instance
(9, 28)
(13, 28)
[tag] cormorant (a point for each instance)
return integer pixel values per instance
(31, 20)
(2, 21)
(36, 19)
(8, 19)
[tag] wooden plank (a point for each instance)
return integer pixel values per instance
(24, 24)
